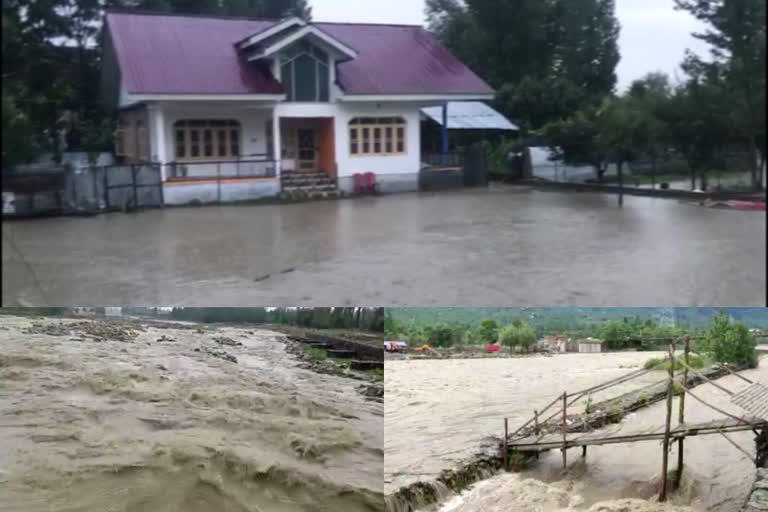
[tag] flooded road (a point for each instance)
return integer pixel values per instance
(424, 435)
(90, 421)
(471, 247)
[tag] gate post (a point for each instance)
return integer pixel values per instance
(135, 191)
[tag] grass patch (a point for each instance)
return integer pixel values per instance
(315, 353)
(378, 373)
(662, 363)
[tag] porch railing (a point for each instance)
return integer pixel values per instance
(258, 166)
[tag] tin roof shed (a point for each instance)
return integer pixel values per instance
(469, 115)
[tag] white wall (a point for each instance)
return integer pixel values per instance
(253, 119)
(210, 192)
(391, 164)
(343, 113)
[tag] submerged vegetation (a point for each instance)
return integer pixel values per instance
(662, 363)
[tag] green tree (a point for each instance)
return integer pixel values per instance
(730, 342)
(698, 125)
(443, 335)
(520, 335)
(736, 31)
(575, 141)
(546, 57)
(488, 331)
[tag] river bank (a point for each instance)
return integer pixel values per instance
(178, 418)
(601, 478)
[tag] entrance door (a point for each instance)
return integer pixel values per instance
(306, 150)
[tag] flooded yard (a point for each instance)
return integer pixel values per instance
(438, 411)
(469, 247)
(130, 417)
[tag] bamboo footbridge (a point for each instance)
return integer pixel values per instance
(560, 431)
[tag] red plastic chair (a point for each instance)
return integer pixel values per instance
(359, 182)
(370, 182)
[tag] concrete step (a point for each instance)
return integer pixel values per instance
(344, 354)
(303, 194)
(310, 189)
(303, 175)
(366, 365)
(307, 183)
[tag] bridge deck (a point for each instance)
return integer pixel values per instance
(753, 399)
(615, 435)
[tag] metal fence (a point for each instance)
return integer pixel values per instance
(61, 190)
(730, 172)
(465, 168)
(260, 166)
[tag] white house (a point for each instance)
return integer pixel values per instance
(243, 107)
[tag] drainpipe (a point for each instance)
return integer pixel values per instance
(444, 134)
(276, 143)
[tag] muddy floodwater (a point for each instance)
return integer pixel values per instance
(146, 423)
(501, 245)
(438, 411)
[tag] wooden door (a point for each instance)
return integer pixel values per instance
(306, 150)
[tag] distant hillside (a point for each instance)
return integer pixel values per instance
(572, 318)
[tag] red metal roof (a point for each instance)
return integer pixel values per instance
(175, 54)
(400, 59)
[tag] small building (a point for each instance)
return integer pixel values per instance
(553, 343)
(590, 345)
(240, 108)
(83, 311)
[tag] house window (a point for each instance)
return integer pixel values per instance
(377, 136)
(206, 139)
(304, 73)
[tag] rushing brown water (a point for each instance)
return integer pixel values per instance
(475, 247)
(151, 425)
(438, 410)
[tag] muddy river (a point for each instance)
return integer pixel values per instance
(140, 421)
(438, 411)
(474, 247)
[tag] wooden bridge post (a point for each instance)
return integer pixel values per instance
(506, 451)
(665, 455)
(564, 427)
(761, 448)
(536, 425)
(681, 412)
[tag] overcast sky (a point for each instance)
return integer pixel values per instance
(653, 37)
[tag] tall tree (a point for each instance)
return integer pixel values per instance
(547, 58)
(736, 32)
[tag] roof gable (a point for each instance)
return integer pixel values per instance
(277, 42)
(176, 54)
(273, 31)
